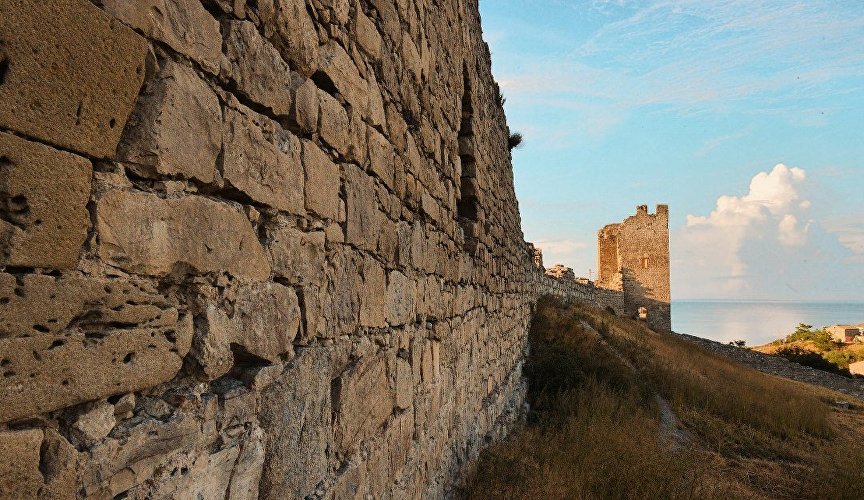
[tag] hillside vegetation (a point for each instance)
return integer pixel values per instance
(816, 349)
(620, 411)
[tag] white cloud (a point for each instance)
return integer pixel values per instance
(711, 246)
(790, 233)
(850, 234)
(561, 252)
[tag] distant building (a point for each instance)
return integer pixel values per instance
(857, 368)
(633, 258)
(845, 333)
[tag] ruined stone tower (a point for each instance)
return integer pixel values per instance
(633, 258)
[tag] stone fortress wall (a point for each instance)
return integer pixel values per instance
(633, 270)
(633, 258)
(255, 249)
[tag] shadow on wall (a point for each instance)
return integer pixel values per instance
(558, 281)
(657, 313)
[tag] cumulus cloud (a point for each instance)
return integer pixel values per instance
(771, 214)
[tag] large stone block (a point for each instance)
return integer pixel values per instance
(305, 111)
(72, 339)
(334, 62)
(362, 209)
(183, 25)
(296, 416)
(362, 401)
(70, 73)
(288, 25)
(59, 466)
(43, 204)
(322, 182)
(175, 128)
(341, 300)
(381, 157)
(372, 295)
(261, 328)
(19, 468)
(404, 384)
(367, 34)
(297, 256)
(257, 69)
(400, 298)
(334, 123)
(143, 233)
(267, 318)
(263, 160)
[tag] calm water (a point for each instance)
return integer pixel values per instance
(758, 322)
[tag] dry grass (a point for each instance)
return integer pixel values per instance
(595, 432)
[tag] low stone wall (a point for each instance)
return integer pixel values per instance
(781, 367)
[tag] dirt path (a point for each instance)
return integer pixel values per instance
(669, 422)
(781, 367)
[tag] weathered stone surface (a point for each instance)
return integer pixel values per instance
(373, 294)
(362, 209)
(267, 318)
(411, 57)
(334, 62)
(175, 127)
(297, 256)
(72, 339)
(341, 300)
(117, 465)
(79, 97)
(381, 157)
(404, 384)
(184, 25)
(362, 402)
(289, 26)
(188, 471)
(367, 34)
(94, 424)
(295, 415)
(333, 125)
(322, 182)
(306, 106)
(377, 115)
(19, 468)
(263, 160)
(257, 68)
(59, 465)
(400, 298)
(43, 223)
(383, 348)
(143, 233)
(261, 328)
(339, 8)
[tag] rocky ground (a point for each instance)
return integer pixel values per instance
(783, 368)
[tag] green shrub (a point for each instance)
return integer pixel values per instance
(827, 361)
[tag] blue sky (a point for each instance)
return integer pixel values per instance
(746, 117)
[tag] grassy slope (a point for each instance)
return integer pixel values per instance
(595, 429)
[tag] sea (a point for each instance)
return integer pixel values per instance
(758, 322)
